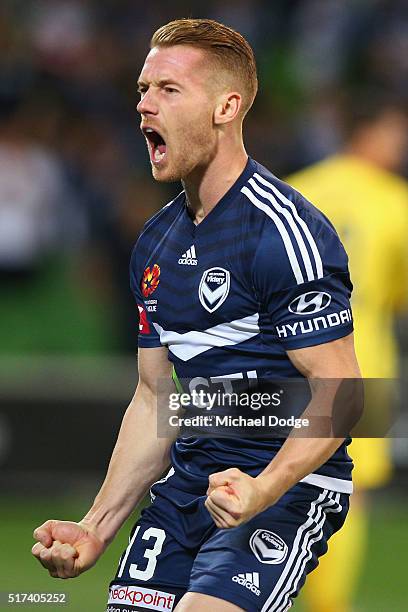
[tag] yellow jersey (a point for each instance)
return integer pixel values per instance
(369, 208)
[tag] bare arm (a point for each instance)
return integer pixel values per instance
(300, 456)
(66, 548)
(235, 497)
(139, 456)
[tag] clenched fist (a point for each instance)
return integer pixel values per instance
(66, 549)
(234, 498)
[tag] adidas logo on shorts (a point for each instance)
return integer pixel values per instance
(249, 580)
(189, 258)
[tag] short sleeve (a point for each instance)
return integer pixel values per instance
(147, 336)
(304, 288)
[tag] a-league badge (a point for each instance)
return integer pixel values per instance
(214, 288)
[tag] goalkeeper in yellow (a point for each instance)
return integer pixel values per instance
(361, 193)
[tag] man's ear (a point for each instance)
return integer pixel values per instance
(227, 108)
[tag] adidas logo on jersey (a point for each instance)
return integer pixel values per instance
(189, 258)
(249, 580)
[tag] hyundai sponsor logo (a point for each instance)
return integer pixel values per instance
(310, 302)
(315, 324)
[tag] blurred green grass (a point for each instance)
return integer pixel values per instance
(55, 312)
(20, 572)
(383, 585)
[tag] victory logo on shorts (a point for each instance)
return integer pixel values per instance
(150, 280)
(268, 547)
(214, 288)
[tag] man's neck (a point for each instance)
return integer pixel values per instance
(206, 186)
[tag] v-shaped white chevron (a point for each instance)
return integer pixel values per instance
(190, 344)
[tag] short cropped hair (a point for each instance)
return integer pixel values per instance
(229, 49)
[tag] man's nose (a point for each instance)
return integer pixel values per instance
(147, 105)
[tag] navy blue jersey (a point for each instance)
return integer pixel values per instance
(263, 273)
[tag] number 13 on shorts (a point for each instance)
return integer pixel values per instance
(155, 538)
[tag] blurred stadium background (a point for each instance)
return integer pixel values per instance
(75, 189)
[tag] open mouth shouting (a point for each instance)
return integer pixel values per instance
(156, 144)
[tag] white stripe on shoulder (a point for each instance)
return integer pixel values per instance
(302, 223)
(191, 344)
(292, 223)
(282, 230)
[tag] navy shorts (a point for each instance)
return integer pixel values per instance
(175, 547)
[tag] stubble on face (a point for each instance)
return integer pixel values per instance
(189, 128)
(192, 145)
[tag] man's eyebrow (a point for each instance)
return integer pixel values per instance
(163, 82)
(160, 83)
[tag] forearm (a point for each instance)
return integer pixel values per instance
(139, 458)
(297, 458)
(302, 454)
(336, 404)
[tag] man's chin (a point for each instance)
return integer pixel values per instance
(165, 175)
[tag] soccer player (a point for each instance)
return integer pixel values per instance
(239, 277)
(361, 193)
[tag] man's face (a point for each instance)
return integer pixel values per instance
(176, 107)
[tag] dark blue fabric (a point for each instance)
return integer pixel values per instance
(199, 557)
(243, 239)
